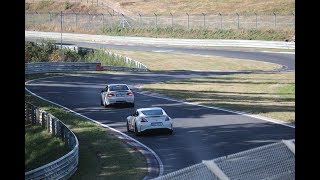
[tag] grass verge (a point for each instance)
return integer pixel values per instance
(41, 147)
(101, 155)
(267, 94)
(178, 61)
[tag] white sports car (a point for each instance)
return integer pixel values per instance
(116, 94)
(144, 119)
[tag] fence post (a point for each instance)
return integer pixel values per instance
(33, 119)
(61, 19)
(238, 20)
(43, 120)
(188, 19)
(156, 19)
(49, 16)
(53, 126)
(220, 20)
(26, 112)
(48, 122)
(256, 20)
(293, 22)
(204, 19)
(171, 20)
(140, 20)
(62, 132)
(102, 21)
(275, 19)
(76, 21)
(33, 19)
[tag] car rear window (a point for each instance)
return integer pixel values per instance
(118, 88)
(156, 112)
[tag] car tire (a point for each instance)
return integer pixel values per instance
(136, 130)
(128, 127)
(101, 102)
(170, 131)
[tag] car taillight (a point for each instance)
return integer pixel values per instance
(110, 95)
(143, 120)
(167, 118)
(129, 94)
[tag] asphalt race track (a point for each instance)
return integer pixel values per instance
(285, 59)
(200, 133)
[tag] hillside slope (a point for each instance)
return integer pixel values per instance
(133, 7)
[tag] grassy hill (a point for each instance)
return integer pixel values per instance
(130, 7)
(162, 27)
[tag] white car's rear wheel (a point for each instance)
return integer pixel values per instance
(128, 127)
(136, 130)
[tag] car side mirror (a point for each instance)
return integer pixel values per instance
(102, 90)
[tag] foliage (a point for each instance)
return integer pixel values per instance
(47, 51)
(201, 33)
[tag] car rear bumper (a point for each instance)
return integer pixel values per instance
(121, 101)
(147, 127)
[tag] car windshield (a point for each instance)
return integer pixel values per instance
(154, 112)
(118, 88)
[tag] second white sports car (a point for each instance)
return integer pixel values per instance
(144, 119)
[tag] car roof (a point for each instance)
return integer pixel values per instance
(151, 108)
(117, 84)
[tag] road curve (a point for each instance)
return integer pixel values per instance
(200, 133)
(286, 59)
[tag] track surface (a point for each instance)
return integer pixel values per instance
(200, 133)
(287, 60)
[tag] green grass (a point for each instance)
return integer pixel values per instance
(267, 94)
(179, 61)
(41, 147)
(101, 155)
(168, 32)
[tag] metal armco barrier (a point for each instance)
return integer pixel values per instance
(43, 67)
(273, 161)
(65, 166)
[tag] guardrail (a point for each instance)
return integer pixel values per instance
(43, 67)
(63, 167)
(129, 61)
(272, 161)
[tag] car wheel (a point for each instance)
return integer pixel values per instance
(128, 127)
(170, 131)
(136, 130)
(106, 105)
(101, 102)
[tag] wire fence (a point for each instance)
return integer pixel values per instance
(274, 162)
(97, 22)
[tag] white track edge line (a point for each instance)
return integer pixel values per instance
(157, 157)
(222, 109)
